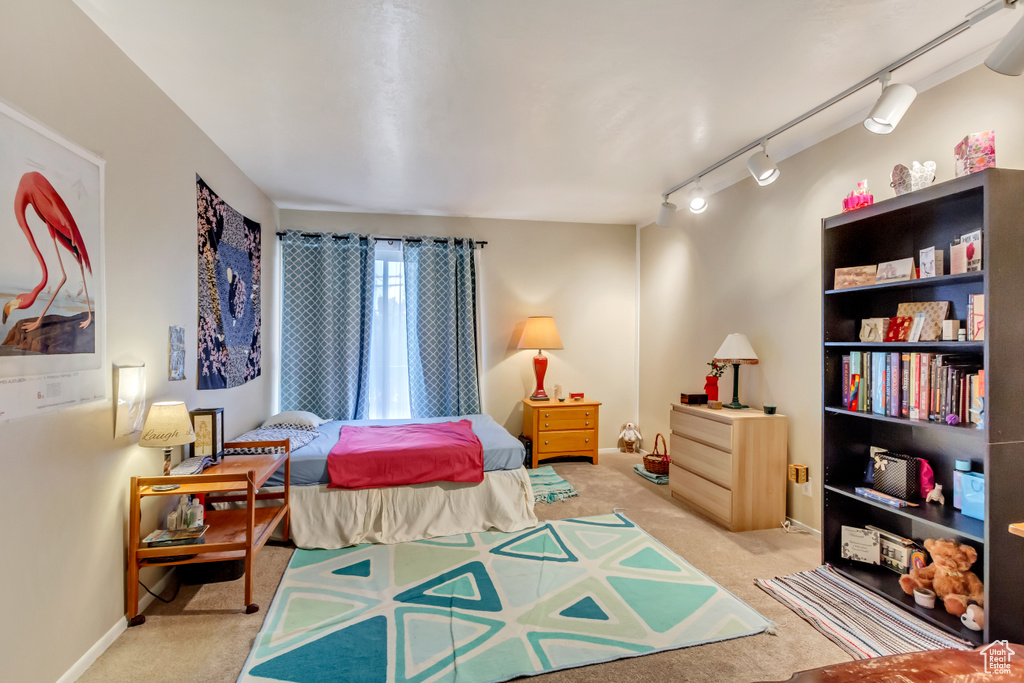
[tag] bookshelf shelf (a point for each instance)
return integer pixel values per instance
(991, 202)
(943, 517)
(940, 281)
(882, 581)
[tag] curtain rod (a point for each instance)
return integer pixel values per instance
(479, 243)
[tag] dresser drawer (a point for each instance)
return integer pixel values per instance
(566, 418)
(714, 433)
(708, 496)
(577, 440)
(698, 458)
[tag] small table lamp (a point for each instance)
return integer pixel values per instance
(736, 349)
(540, 333)
(167, 425)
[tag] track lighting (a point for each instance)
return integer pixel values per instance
(761, 166)
(668, 210)
(696, 200)
(892, 104)
(1008, 57)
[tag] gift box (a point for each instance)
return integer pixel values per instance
(975, 152)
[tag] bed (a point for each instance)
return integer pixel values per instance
(324, 517)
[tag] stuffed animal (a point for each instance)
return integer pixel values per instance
(973, 618)
(950, 577)
(630, 436)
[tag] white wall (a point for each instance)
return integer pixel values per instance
(62, 570)
(582, 274)
(752, 262)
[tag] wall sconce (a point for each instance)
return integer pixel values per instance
(131, 399)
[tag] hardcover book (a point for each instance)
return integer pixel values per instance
(878, 366)
(905, 385)
(895, 394)
(846, 381)
(854, 392)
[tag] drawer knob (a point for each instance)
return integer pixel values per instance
(547, 414)
(546, 424)
(587, 441)
(587, 424)
(545, 443)
(588, 413)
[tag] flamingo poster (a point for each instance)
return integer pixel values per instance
(51, 270)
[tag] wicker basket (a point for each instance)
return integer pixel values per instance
(655, 462)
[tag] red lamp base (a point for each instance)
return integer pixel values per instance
(540, 368)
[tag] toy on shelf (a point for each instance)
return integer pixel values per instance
(858, 198)
(950, 577)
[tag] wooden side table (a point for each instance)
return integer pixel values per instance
(560, 429)
(233, 534)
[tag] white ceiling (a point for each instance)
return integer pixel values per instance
(566, 110)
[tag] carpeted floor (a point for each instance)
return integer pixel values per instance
(204, 634)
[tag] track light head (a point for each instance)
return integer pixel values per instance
(763, 169)
(665, 214)
(1008, 56)
(892, 104)
(696, 200)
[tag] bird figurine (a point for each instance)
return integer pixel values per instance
(935, 495)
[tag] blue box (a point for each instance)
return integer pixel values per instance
(973, 494)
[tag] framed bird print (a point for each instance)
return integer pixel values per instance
(52, 327)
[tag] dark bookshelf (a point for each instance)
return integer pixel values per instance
(991, 201)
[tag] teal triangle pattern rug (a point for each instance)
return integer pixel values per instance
(489, 606)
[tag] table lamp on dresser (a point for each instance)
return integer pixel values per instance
(540, 333)
(167, 425)
(736, 349)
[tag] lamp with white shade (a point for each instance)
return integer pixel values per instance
(540, 333)
(167, 425)
(736, 349)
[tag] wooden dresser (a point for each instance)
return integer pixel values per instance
(559, 429)
(730, 464)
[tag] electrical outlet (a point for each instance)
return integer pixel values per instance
(805, 488)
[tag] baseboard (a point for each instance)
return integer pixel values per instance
(101, 645)
(804, 527)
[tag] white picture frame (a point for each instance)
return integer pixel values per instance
(46, 175)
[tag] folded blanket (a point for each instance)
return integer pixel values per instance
(656, 478)
(396, 455)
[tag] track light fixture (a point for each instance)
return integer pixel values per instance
(665, 214)
(698, 203)
(892, 104)
(1008, 56)
(761, 166)
(896, 98)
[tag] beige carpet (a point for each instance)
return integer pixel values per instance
(204, 635)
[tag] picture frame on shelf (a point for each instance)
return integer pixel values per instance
(855, 276)
(208, 424)
(895, 271)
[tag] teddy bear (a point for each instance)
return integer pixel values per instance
(630, 436)
(949, 576)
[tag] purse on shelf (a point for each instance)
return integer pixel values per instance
(896, 475)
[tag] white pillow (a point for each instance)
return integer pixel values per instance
(294, 417)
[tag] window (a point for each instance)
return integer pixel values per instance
(389, 359)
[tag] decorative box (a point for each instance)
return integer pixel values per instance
(693, 399)
(975, 152)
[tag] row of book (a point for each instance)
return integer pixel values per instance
(918, 386)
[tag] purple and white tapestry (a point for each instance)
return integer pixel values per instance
(229, 293)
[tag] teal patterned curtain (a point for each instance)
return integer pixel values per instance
(440, 302)
(327, 306)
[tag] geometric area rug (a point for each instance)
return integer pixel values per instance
(489, 606)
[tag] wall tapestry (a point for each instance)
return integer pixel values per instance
(51, 270)
(229, 293)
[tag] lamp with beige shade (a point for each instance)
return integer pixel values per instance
(540, 333)
(167, 425)
(736, 349)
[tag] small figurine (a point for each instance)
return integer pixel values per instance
(630, 436)
(858, 197)
(935, 495)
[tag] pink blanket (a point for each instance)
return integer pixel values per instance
(395, 455)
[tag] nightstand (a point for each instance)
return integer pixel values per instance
(233, 534)
(560, 429)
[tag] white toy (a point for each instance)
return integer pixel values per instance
(630, 436)
(973, 618)
(935, 495)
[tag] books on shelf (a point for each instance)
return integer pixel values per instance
(166, 537)
(923, 386)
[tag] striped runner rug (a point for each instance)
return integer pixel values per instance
(548, 487)
(861, 623)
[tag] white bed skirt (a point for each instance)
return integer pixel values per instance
(335, 518)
